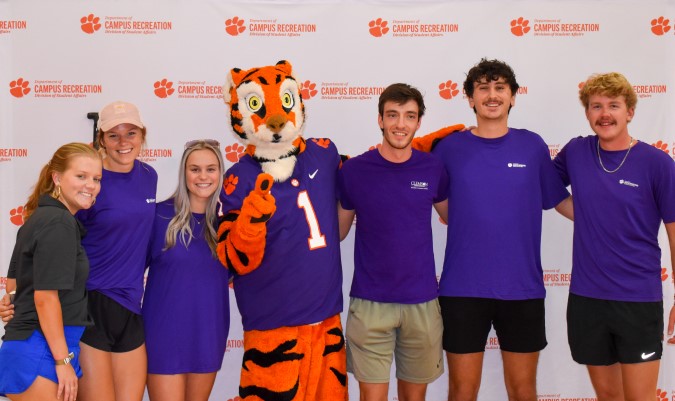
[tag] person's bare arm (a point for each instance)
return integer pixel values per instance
(442, 210)
(565, 208)
(48, 308)
(670, 230)
(345, 220)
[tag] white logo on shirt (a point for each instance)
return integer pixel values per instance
(151, 200)
(516, 165)
(628, 183)
(419, 185)
(311, 176)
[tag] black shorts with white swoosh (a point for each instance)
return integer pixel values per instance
(604, 332)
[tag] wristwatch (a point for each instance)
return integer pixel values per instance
(64, 361)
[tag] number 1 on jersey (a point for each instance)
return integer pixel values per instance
(316, 239)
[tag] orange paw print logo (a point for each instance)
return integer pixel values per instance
(448, 90)
(230, 184)
(661, 145)
(664, 274)
(661, 395)
(323, 142)
(379, 145)
(16, 216)
(519, 27)
(308, 90)
(19, 88)
(234, 152)
(660, 26)
(234, 26)
(164, 88)
(378, 27)
(90, 24)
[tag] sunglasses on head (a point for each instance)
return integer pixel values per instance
(210, 142)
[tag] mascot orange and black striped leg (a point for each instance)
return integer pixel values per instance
(279, 236)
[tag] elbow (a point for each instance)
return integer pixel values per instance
(44, 298)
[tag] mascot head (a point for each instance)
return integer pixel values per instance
(267, 113)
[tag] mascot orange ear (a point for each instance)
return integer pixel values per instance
(238, 75)
(285, 67)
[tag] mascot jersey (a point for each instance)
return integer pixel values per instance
(300, 278)
(617, 218)
(118, 230)
(498, 188)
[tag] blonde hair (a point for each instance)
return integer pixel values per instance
(180, 224)
(612, 85)
(59, 163)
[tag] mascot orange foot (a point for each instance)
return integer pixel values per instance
(295, 363)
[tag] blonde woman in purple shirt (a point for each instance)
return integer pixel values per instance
(186, 335)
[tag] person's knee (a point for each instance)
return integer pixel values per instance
(522, 391)
(462, 392)
(608, 392)
(408, 391)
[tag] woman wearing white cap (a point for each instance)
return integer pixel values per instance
(118, 231)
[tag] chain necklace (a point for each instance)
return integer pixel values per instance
(630, 146)
(199, 221)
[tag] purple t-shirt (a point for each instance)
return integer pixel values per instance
(616, 254)
(393, 252)
(118, 230)
(300, 278)
(498, 188)
(186, 308)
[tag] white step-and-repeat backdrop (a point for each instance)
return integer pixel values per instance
(61, 60)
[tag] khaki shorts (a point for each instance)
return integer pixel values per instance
(412, 333)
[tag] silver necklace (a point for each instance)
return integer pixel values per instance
(630, 146)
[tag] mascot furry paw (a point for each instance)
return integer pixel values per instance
(246, 230)
(288, 277)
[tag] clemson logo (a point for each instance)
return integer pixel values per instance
(164, 88)
(19, 88)
(378, 27)
(90, 24)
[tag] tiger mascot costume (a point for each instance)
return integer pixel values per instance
(282, 243)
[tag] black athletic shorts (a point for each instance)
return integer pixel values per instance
(520, 324)
(116, 328)
(604, 332)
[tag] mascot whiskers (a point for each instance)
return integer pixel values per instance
(279, 236)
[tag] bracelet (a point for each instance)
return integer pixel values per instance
(64, 361)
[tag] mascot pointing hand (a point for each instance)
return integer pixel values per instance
(279, 236)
